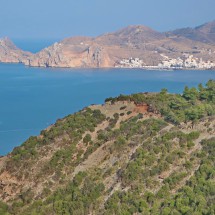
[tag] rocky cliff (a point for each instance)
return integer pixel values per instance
(9, 53)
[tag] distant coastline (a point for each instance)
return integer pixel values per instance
(146, 68)
(131, 47)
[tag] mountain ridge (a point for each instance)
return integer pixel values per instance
(135, 46)
(204, 33)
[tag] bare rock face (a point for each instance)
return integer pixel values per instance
(9, 53)
(67, 54)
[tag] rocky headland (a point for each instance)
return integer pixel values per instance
(9, 53)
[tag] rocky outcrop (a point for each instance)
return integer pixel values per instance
(9, 53)
(71, 55)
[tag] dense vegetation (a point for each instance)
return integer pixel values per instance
(192, 105)
(71, 128)
(195, 197)
(159, 164)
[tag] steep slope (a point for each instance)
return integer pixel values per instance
(204, 33)
(139, 154)
(9, 53)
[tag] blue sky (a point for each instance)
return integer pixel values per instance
(57, 19)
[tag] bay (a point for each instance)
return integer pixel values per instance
(33, 98)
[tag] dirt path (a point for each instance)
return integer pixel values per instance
(196, 147)
(93, 160)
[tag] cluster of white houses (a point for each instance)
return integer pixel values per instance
(130, 63)
(187, 62)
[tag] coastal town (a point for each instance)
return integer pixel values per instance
(184, 62)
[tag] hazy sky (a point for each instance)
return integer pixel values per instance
(35, 19)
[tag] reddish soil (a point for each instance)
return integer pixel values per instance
(143, 108)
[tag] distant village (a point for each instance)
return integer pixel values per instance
(188, 62)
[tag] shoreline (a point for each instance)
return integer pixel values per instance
(150, 68)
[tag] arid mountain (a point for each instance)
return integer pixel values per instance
(132, 35)
(132, 47)
(138, 154)
(9, 53)
(103, 51)
(204, 33)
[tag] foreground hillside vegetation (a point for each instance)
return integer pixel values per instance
(146, 153)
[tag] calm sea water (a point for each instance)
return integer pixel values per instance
(33, 98)
(34, 45)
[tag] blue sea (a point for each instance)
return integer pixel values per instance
(33, 98)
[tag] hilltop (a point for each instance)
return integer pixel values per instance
(131, 47)
(146, 153)
(204, 33)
